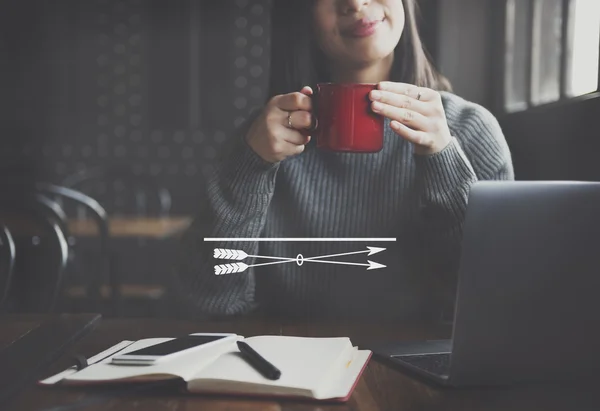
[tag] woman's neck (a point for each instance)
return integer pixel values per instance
(373, 73)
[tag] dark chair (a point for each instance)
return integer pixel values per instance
(41, 251)
(7, 263)
(54, 211)
(112, 186)
(124, 193)
(100, 218)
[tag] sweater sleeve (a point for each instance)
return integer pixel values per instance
(234, 205)
(478, 151)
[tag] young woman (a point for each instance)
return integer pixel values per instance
(274, 183)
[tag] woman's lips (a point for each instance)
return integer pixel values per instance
(363, 28)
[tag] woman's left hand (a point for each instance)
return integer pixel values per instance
(416, 114)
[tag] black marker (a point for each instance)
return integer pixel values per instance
(80, 362)
(263, 366)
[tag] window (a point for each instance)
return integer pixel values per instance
(583, 48)
(551, 51)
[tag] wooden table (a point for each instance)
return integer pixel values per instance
(156, 228)
(12, 331)
(119, 227)
(30, 343)
(127, 257)
(138, 245)
(380, 387)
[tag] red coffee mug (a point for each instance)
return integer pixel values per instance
(344, 119)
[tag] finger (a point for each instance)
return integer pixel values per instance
(282, 150)
(415, 137)
(418, 93)
(298, 120)
(299, 149)
(294, 101)
(400, 101)
(295, 137)
(410, 118)
(307, 90)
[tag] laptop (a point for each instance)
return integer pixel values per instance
(528, 297)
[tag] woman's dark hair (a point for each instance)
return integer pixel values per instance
(296, 60)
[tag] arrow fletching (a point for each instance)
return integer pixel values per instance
(227, 254)
(230, 268)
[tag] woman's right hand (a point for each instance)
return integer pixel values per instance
(271, 136)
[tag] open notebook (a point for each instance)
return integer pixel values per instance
(317, 368)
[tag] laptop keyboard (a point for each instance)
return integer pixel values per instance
(438, 364)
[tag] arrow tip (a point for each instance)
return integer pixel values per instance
(375, 250)
(374, 266)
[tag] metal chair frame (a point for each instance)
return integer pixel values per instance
(8, 243)
(101, 219)
(102, 173)
(51, 214)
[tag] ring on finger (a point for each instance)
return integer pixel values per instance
(289, 119)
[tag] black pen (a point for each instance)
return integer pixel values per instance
(263, 366)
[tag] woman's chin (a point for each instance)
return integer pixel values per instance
(370, 57)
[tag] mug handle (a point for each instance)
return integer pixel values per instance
(314, 111)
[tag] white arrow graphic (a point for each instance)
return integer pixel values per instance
(228, 254)
(371, 264)
(224, 253)
(230, 268)
(240, 267)
(371, 251)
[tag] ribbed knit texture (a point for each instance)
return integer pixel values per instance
(420, 200)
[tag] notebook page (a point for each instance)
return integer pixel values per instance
(343, 382)
(304, 362)
(92, 360)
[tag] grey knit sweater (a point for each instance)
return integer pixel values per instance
(419, 200)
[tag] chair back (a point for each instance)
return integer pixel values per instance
(99, 218)
(41, 251)
(121, 191)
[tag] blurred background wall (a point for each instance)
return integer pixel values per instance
(157, 85)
